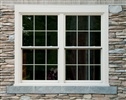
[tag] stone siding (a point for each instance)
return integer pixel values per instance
(117, 50)
(117, 57)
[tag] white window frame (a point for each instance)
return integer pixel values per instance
(61, 11)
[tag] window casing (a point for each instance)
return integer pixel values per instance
(81, 48)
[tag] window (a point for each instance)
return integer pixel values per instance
(61, 45)
(82, 61)
(40, 60)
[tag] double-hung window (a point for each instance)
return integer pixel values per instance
(39, 47)
(83, 47)
(61, 45)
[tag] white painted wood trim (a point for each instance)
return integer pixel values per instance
(61, 52)
(61, 11)
(18, 53)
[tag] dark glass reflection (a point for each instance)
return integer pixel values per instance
(82, 39)
(70, 56)
(39, 56)
(95, 73)
(82, 22)
(27, 22)
(52, 73)
(71, 22)
(82, 56)
(39, 22)
(95, 22)
(70, 39)
(39, 72)
(51, 56)
(39, 39)
(27, 39)
(82, 72)
(95, 39)
(27, 72)
(52, 22)
(70, 72)
(28, 56)
(52, 39)
(95, 56)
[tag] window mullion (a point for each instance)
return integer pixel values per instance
(34, 49)
(61, 52)
(46, 49)
(46, 64)
(77, 49)
(88, 49)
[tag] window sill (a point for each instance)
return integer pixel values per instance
(62, 89)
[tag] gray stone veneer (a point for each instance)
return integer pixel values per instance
(63, 89)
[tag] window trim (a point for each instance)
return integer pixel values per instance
(62, 89)
(61, 10)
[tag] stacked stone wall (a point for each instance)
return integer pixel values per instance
(117, 49)
(6, 47)
(117, 58)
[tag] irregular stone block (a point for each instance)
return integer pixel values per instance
(120, 71)
(2, 60)
(115, 9)
(87, 96)
(117, 51)
(11, 38)
(25, 98)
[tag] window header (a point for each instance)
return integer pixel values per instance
(43, 9)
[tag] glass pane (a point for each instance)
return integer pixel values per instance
(39, 72)
(39, 39)
(95, 22)
(82, 39)
(82, 56)
(70, 72)
(28, 56)
(27, 72)
(95, 56)
(71, 22)
(52, 39)
(27, 22)
(51, 56)
(82, 22)
(95, 39)
(52, 73)
(27, 39)
(70, 56)
(51, 22)
(95, 73)
(71, 39)
(39, 22)
(82, 73)
(39, 56)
